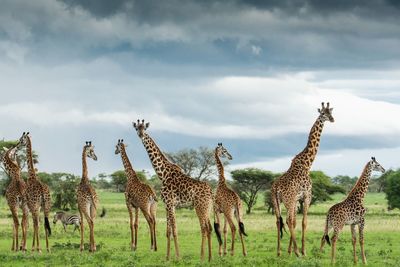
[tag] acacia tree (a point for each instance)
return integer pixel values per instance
(197, 163)
(248, 182)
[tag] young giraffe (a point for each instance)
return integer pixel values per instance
(15, 195)
(295, 184)
(37, 197)
(87, 197)
(138, 195)
(226, 201)
(351, 211)
(178, 189)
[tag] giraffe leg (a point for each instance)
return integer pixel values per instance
(326, 232)
(35, 217)
(290, 240)
(217, 221)
(354, 241)
(136, 225)
(225, 230)
(131, 226)
(361, 237)
(279, 227)
(82, 229)
(147, 216)
(306, 205)
(232, 226)
(24, 224)
(334, 240)
(291, 223)
(204, 230)
(14, 213)
(239, 221)
(92, 217)
(153, 211)
(171, 229)
(209, 230)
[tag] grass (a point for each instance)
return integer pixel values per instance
(382, 235)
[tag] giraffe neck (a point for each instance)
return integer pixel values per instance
(128, 166)
(361, 187)
(11, 166)
(308, 154)
(29, 155)
(85, 177)
(157, 158)
(220, 167)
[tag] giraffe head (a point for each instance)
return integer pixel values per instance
(222, 152)
(89, 150)
(140, 127)
(120, 145)
(23, 140)
(375, 166)
(326, 112)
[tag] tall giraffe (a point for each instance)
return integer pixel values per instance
(15, 195)
(178, 189)
(138, 195)
(87, 197)
(351, 211)
(37, 196)
(227, 202)
(295, 184)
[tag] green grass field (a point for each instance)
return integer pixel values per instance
(382, 240)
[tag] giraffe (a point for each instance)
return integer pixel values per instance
(15, 195)
(178, 189)
(226, 201)
(295, 184)
(138, 195)
(87, 197)
(351, 211)
(37, 196)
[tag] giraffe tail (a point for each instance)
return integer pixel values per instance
(281, 226)
(239, 218)
(103, 212)
(218, 232)
(327, 239)
(47, 225)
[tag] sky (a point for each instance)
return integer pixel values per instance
(250, 74)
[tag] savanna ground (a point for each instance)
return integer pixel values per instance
(382, 239)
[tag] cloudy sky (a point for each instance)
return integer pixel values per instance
(250, 74)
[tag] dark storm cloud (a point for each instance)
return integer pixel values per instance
(153, 10)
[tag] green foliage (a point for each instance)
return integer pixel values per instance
(345, 181)
(248, 182)
(323, 187)
(268, 201)
(102, 181)
(392, 188)
(64, 190)
(119, 179)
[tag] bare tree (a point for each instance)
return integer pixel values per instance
(197, 163)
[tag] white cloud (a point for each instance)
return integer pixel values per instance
(338, 162)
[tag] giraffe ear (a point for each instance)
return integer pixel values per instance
(319, 110)
(147, 125)
(134, 124)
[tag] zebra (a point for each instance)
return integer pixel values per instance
(67, 219)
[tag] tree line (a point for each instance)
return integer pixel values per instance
(199, 163)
